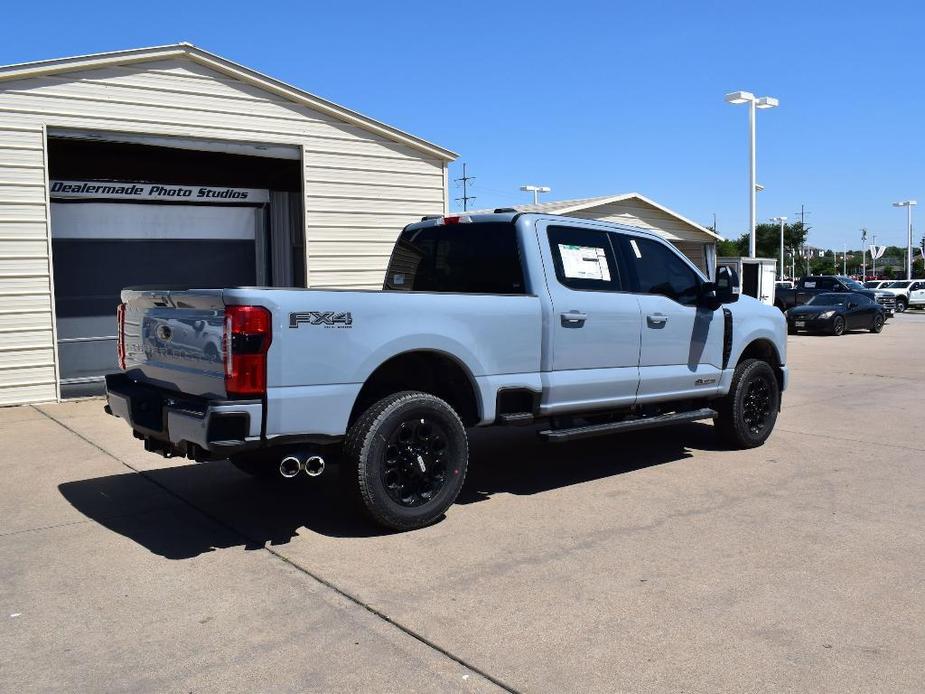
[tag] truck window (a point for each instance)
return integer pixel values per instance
(583, 258)
(659, 270)
(468, 258)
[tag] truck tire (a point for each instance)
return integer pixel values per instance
(900, 305)
(407, 457)
(747, 414)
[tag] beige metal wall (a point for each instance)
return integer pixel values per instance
(360, 188)
(688, 240)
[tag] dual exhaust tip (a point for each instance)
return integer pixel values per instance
(291, 466)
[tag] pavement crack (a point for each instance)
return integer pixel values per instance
(356, 600)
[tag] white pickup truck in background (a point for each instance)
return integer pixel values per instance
(582, 327)
(908, 293)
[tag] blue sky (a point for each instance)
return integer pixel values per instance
(587, 98)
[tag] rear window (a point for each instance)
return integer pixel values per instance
(474, 258)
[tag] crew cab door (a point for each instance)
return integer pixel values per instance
(681, 350)
(591, 340)
(917, 294)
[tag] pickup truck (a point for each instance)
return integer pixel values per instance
(810, 286)
(581, 328)
(907, 293)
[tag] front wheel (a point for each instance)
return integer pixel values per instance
(747, 414)
(900, 305)
(407, 456)
(838, 325)
(877, 325)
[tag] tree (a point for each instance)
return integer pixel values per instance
(767, 241)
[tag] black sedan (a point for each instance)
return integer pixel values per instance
(836, 313)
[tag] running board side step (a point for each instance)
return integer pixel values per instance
(563, 435)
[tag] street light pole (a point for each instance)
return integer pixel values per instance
(908, 205)
(844, 259)
(863, 255)
(753, 103)
(781, 220)
(873, 259)
(536, 190)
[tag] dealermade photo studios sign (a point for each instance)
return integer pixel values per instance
(155, 192)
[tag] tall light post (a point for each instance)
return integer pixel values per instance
(863, 255)
(873, 260)
(844, 259)
(908, 205)
(536, 190)
(781, 220)
(753, 103)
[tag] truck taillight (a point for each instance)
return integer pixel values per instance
(120, 325)
(246, 341)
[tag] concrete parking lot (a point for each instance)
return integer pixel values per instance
(647, 562)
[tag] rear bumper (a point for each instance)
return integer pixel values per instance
(175, 424)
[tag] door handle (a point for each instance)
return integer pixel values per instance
(573, 319)
(657, 319)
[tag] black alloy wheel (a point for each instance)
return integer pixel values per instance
(877, 325)
(756, 408)
(746, 416)
(405, 459)
(838, 325)
(415, 461)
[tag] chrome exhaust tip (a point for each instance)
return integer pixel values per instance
(314, 466)
(290, 466)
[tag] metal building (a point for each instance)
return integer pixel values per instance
(172, 165)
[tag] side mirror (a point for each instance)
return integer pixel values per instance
(199, 325)
(727, 285)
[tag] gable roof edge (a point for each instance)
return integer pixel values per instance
(228, 67)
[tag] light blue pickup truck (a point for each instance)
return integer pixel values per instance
(579, 328)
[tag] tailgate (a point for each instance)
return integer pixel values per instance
(174, 339)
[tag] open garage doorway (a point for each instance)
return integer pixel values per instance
(131, 214)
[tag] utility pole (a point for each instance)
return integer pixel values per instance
(465, 184)
(844, 259)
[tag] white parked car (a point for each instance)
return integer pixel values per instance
(876, 284)
(908, 293)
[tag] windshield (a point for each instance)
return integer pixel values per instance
(828, 300)
(898, 285)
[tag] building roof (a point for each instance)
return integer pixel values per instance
(228, 67)
(565, 207)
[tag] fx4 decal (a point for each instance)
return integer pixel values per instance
(328, 319)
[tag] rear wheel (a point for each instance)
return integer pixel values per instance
(407, 457)
(877, 325)
(838, 325)
(747, 414)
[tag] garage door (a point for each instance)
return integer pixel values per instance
(100, 248)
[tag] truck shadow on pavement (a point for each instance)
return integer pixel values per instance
(183, 511)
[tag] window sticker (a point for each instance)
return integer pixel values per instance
(809, 285)
(635, 248)
(398, 279)
(584, 262)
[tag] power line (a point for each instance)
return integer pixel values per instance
(465, 183)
